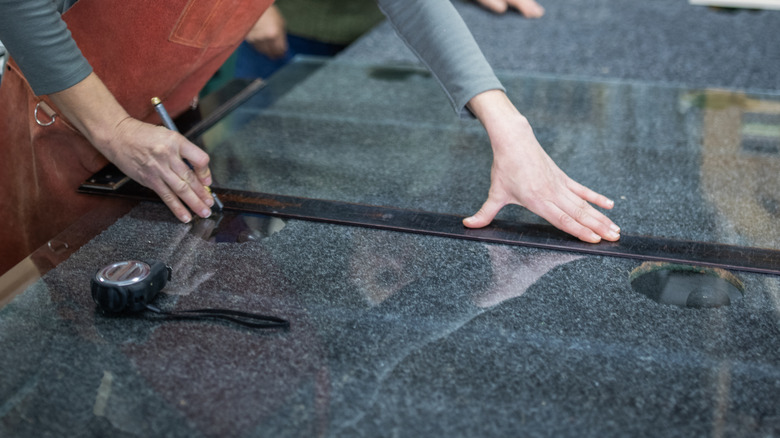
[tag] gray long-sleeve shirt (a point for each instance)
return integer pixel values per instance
(39, 41)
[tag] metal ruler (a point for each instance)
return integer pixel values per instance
(749, 259)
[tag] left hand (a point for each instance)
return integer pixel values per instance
(529, 8)
(269, 34)
(525, 175)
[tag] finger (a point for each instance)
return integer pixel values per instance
(485, 215)
(185, 171)
(199, 161)
(497, 6)
(188, 188)
(590, 196)
(565, 222)
(600, 200)
(529, 8)
(172, 202)
(201, 171)
(584, 213)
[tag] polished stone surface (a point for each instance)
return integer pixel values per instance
(392, 335)
(405, 335)
(685, 163)
(397, 334)
(661, 41)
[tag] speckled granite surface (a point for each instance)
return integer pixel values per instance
(687, 163)
(392, 335)
(666, 41)
(405, 335)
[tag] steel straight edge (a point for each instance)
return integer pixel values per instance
(648, 248)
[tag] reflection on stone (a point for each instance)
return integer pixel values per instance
(662, 152)
(740, 168)
(514, 274)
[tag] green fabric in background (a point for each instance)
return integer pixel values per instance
(330, 21)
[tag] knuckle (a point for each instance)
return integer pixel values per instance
(181, 187)
(579, 214)
(565, 220)
(168, 198)
(160, 148)
(189, 177)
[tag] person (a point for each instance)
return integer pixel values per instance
(72, 110)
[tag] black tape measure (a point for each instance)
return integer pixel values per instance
(130, 286)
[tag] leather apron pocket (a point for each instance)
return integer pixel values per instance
(209, 23)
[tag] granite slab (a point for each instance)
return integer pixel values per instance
(400, 335)
(396, 334)
(391, 335)
(686, 163)
(662, 41)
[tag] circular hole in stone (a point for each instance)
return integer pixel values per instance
(687, 285)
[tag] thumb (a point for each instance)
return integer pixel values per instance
(485, 214)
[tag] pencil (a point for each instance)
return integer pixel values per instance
(168, 122)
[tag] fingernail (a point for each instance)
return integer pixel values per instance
(595, 238)
(185, 218)
(614, 235)
(615, 228)
(210, 201)
(611, 202)
(206, 212)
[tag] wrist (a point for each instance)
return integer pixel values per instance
(499, 116)
(91, 108)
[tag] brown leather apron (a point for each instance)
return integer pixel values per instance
(140, 49)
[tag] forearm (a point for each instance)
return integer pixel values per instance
(91, 108)
(436, 33)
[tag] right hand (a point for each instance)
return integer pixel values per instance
(154, 157)
(269, 34)
(150, 154)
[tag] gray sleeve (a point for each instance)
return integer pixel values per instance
(436, 33)
(39, 41)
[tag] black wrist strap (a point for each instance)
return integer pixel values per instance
(246, 319)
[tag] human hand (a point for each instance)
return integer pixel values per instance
(151, 155)
(525, 175)
(529, 8)
(269, 35)
(154, 157)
